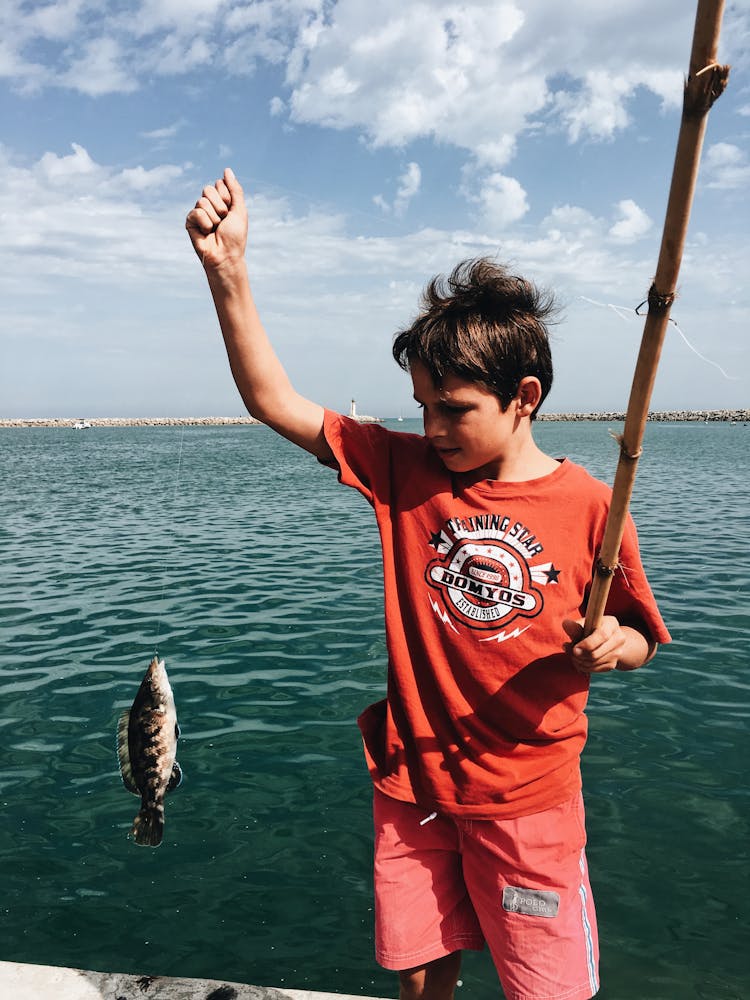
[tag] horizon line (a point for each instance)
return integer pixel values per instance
(717, 415)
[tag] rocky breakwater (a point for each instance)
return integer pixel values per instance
(661, 416)
(91, 422)
(664, 416)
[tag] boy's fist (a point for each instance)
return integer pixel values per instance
(217, 226)
(598, 652)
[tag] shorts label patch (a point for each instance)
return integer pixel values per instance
(532, 902)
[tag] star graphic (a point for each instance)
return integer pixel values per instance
(436, 540)
(552, 573)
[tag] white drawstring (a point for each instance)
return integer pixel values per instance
(427, 819)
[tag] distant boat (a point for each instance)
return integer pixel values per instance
(81, 425)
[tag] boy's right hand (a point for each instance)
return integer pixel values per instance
(217, 226)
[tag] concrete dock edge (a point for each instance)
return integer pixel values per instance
(19, 981)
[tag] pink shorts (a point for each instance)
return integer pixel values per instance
(520, 885)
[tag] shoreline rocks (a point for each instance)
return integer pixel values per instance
(70, 422)
(662, 416)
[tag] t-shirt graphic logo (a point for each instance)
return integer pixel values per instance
(484, 581)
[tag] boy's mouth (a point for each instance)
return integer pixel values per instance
(447, 453)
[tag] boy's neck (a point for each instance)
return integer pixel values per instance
(523, 462)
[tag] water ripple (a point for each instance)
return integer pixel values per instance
(258, 578)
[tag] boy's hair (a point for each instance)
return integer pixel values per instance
(484, 325)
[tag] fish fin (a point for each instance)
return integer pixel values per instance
(177, 731)
(123, 754)
(148, 826)
(175, 779)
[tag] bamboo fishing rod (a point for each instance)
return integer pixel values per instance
(706, 82)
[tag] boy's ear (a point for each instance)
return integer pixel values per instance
(529, 395)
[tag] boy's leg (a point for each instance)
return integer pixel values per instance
(435, 981)
(423, 913)
(528, 881)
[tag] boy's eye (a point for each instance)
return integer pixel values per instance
(453, 409)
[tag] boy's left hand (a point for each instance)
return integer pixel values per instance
(603, 650)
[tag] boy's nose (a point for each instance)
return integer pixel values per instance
(433, 425)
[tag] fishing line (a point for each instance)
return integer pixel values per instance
(170, 546)
(626, 313)
(732, 378)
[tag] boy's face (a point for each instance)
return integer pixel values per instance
(464, 422)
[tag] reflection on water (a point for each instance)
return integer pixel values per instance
(258, 578)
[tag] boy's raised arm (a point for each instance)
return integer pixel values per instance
(218, 230)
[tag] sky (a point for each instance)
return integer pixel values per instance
(379, 144)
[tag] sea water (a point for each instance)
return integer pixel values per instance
(258, 578)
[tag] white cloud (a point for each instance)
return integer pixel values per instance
(94, 257)
(104, 48)
(502, 200)
(183, 16)
(566, 218)
(495, 152)
(407, 71)
(572, 229)
(632, 224)
(55, 20)
(598, 107)
(67, 169)
(241, 56)
(250, 17)
(76, 218)
(409, 184)
(137, 179)
(100, 69)
(176, 55)
(167, 132)
(727, 167)
(71, 216)
(476, 75)
(462, 86)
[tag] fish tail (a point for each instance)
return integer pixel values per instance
(148, 828)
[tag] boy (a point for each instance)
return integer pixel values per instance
(488, 547)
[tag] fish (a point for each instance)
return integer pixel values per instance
(147, 737)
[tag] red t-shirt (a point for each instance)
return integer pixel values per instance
(484, 715)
